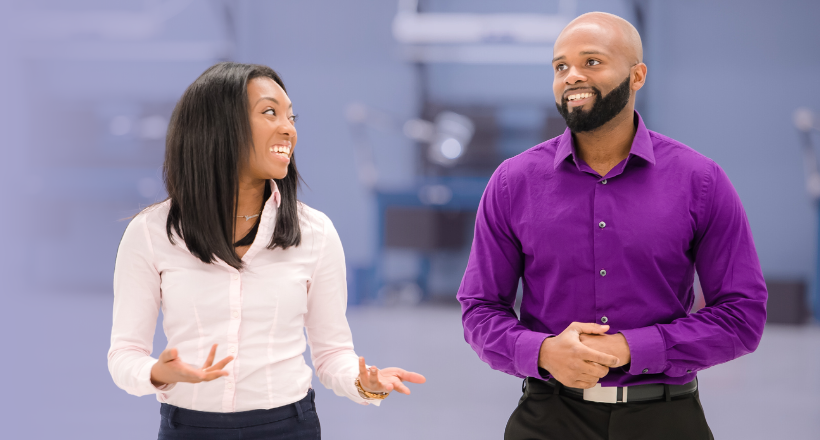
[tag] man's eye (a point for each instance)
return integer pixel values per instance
(561, 67)
(593, 62)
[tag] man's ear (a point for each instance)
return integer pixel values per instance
(638, 75)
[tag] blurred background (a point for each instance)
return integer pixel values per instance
(406, 107)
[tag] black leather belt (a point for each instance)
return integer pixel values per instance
(636, 393)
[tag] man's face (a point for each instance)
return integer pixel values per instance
(603, 108)
(592, 81)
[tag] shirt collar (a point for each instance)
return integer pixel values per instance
(641, 144)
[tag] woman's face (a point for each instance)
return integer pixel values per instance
(272, 127)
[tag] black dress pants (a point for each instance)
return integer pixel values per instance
(548, 416)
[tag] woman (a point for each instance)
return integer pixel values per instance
(239, 268)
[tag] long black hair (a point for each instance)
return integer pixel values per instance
(209, 139)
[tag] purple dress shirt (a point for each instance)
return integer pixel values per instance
(621, 249)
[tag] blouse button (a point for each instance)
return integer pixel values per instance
(603, 272)
(235, 314)
(232, 349)
(602, 225)
(235, 276)
(604, 319)
(603, 182)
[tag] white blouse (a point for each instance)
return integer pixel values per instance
(256, 315)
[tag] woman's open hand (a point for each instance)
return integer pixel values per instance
(374, 380)
(171, 369)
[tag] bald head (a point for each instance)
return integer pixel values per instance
(598, 67)
(618, 34)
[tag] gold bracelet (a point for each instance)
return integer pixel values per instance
(368, 394)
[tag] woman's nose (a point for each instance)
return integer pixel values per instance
(287, 128)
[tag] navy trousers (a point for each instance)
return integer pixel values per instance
(297, 421)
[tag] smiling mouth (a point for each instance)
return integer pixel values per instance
(579, 96)
(282, 150)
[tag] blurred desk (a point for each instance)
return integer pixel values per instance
(432, 219)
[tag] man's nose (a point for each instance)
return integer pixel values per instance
(574, 76)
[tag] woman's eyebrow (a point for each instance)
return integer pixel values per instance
(272, 99)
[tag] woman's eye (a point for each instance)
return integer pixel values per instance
(269, 112)
(294, 118)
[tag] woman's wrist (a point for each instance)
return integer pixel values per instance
(154, 381)
(364, 394)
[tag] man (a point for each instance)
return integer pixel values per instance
(605, 226)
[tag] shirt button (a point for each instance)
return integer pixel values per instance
(229, 384)
(235, 314)
(603, 182)
(645, 370)
(604, 319)
(235, 276)
(232, 349)
(603, 273)
(602, 225)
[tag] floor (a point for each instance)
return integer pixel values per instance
(58, 386)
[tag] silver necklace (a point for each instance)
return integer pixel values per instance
(248, 217)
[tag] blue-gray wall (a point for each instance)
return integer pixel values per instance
(724, 77)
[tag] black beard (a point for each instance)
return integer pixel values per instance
(602, 111)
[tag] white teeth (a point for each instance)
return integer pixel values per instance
(280, 149)
(578, 96)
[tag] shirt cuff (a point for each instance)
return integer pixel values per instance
(647, 350)
(353, 393)
(527, 349)
(144, 380)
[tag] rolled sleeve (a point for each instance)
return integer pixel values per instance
(646, 350)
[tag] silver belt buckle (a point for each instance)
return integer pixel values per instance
(603, 394)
